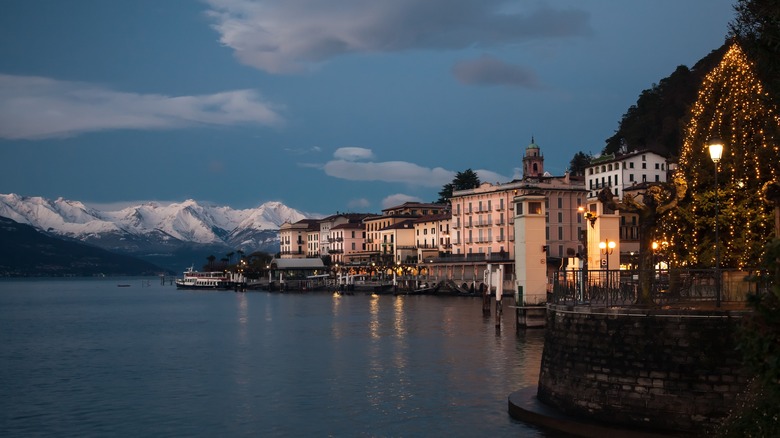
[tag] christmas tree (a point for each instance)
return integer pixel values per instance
(731, 105)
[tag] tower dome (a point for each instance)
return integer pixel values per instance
(533, 161)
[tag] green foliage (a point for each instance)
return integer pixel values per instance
(758, 413)
(465, 180)
(656, 121)
(757, 27)
(579, 163)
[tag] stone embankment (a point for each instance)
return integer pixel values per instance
(672, 370)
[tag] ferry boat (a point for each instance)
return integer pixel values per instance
(203, 280)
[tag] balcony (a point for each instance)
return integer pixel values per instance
(484, 224)
(500, 239)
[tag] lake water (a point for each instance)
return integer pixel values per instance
(89, 358)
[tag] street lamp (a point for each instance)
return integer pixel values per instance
(607, 248)
(715, 146)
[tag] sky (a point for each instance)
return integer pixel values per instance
(326, 106)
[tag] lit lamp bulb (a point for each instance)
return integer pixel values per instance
(716, 149)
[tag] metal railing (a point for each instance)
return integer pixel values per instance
(610, 288)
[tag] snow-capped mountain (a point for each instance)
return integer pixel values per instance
(154, 227)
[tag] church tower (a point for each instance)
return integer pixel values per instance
(533, 161)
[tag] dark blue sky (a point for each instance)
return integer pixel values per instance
(349, 107)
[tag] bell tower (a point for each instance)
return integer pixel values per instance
(533, 161)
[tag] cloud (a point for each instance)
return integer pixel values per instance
(488, 70)
(389, 171)
(353, 154)
(282, 36)
(359, 204)
(348, 168)
(491, 177)
(37, 107)
(301, 151)
(398, 199)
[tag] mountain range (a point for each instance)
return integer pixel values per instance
(168, 235)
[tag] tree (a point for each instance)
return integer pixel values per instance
(657, 199)
(445, 194)
(756, 26)
(468, 179)
(579, 163)
(733, 105)
(211, 259)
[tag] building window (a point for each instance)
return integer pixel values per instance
(657, 166)
(631, 165)
(630, 176)
(560, 217)
(644, 165)
(560, 202)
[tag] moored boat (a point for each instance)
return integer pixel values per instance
(203, 280)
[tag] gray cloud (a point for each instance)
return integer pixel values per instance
(359, 204)
(37, 107)
(389, 171)
(286, 36)
(398, 199)
(353, 154)
(491, 177)
(488, 70)
(347, 166)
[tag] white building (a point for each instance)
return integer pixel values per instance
(620, 172)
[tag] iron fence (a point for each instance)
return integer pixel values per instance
(615, 288)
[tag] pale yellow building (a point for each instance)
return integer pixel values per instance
(295, 238)
(432, 236)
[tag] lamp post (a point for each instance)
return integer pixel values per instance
(715, 146)
(607, 248)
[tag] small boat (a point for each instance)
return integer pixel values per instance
(122, 285)
(203, 280)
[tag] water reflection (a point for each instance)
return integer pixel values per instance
(155, 362)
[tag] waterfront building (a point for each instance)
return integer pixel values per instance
(295, 239)
(378, 230)
(347, 239)
(432, 236)
(482, 218)
(627, 173)
(624, 170)
(327, 239)
(397, 243)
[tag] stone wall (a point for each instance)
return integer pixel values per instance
(665, 370)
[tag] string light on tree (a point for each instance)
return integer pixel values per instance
(733, 105)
